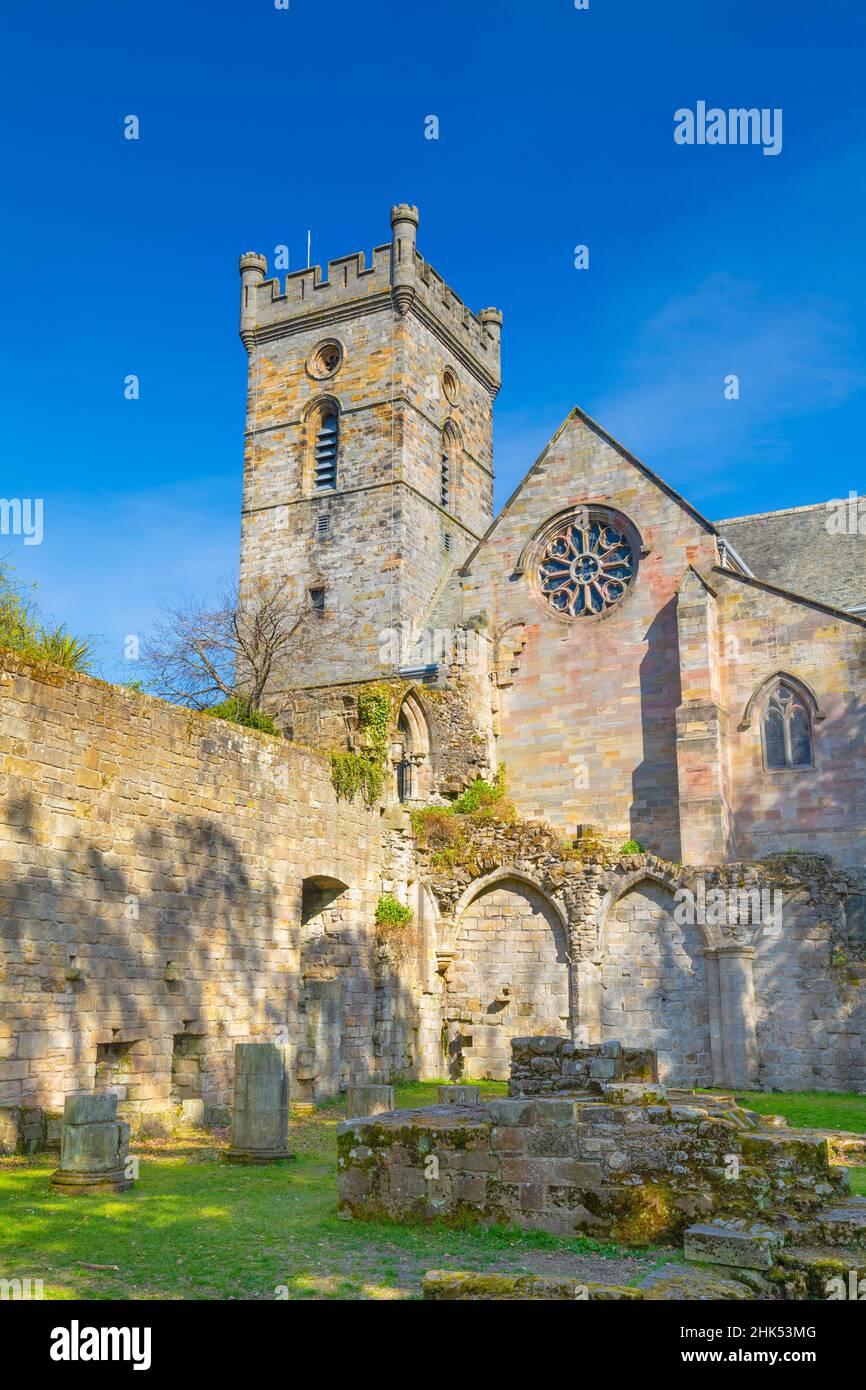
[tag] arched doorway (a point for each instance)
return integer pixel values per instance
(654, 989)
(509, 977)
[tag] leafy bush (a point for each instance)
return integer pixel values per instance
(390, 912)
(632, 847)
(437, 828)
(63, 649)
(394, 928)
(486, 801)
(238, 711)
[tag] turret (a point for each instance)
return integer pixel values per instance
(404, 221)
(253, 268)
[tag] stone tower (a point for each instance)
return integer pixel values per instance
(368, 471)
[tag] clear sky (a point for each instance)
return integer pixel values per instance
(556, 129)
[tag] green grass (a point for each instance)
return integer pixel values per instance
(811, 1109)
(194, 1228)
(816, 1110)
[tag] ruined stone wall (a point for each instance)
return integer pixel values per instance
(811, 991)
(616, 1159)
(767, 989)
(510, 976)
(654, 985)
(152, 881)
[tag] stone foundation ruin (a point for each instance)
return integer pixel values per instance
(589, 1143)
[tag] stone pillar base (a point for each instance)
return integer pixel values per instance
(80, 1184)
(257, 1156)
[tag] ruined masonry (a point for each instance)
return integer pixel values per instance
(589, 1143)
(675, 862)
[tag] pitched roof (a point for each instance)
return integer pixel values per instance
(799, 549)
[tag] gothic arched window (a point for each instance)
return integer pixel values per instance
(787, 729)
(411, 752)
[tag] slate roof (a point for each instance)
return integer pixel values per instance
(796, 550)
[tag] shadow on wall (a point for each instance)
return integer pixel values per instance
(654, 815)
(510, 978)
(654, 984)
(118, 957)
(811, 1016)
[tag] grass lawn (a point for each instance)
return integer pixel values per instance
(194, 1228)
(811, 1109)
(816, 1110)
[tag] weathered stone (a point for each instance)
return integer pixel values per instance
(459, 1095)
(452, 1285)
(369, 1100)
(94, 1147)
(746, 1247)
(193, 1112)
(260, 1115)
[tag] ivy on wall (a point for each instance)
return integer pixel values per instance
(364, 771)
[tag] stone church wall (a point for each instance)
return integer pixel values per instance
(822, 808)
(171, 885)
(588, 724)
(510, 976)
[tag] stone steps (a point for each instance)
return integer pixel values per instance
(737, 1244)
(691, 1284)
(842, 1225)
(821, 1272)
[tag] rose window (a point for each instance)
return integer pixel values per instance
(586, 567)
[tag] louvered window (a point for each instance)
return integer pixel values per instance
(445, 480)
(327, 445)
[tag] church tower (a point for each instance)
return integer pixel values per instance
(368, 473)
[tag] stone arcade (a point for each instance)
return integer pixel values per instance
(678, 704)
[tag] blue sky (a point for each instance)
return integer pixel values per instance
(556, 129)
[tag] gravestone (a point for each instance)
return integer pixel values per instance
(260, 1109)
(94, 1147)
(459, 1095)
(369, 1100)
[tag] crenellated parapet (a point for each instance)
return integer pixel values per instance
(397, 276)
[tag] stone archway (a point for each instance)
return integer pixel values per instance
(654, 983)
(509, 976)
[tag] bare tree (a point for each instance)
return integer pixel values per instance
(200, 656)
